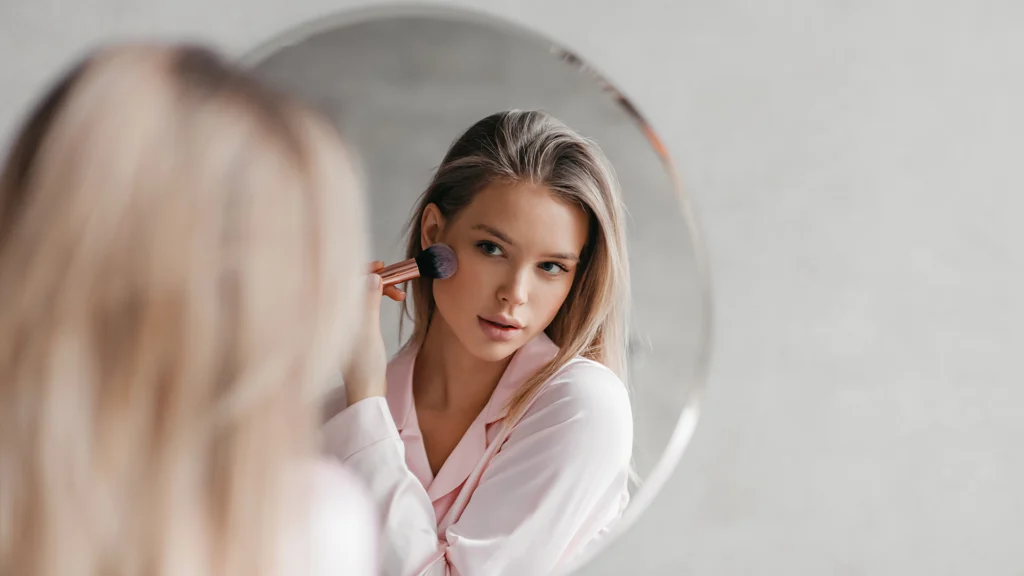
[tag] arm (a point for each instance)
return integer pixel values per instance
(566, 459)
(343, 524)
(364, 437)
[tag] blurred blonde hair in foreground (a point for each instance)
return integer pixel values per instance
(180, 253)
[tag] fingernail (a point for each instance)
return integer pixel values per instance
(374, 281)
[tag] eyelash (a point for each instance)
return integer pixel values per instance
(486, 246)
(483, 246)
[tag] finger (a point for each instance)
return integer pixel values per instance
(376, 265)
(394, 292)
(373, 297)
(374, 284)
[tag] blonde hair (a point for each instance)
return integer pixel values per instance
(179, 251)
(532, 146)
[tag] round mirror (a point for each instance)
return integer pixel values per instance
(402, 85)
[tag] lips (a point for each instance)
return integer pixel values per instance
(503, 322)
(498, 328)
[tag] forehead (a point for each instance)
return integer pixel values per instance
(531, 215)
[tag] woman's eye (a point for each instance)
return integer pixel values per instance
(489, 248)
(553, 268)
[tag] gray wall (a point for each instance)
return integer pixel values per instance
(853, 166)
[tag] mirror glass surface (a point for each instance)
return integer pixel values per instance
(403, 84)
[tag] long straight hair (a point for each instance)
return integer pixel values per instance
(180, 250)
(532, 146)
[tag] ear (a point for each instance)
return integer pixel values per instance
(431, 226)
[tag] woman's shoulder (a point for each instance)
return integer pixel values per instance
(592, 396)
(586, 381)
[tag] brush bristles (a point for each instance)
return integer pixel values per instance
(437, 262)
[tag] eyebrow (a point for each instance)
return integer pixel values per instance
(504, 238)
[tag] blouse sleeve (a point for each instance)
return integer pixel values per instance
(339, 533)
(567, 457)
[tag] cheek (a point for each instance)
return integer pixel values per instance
(446, 297)
(549, 297)
(463, 291)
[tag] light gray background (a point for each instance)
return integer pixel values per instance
(402, 89)
(856, 169)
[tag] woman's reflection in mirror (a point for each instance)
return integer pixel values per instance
(498, 440)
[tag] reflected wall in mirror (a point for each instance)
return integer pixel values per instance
(403, 86)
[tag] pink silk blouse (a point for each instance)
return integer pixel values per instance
(505, 503)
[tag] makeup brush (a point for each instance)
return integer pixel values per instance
(437, 262)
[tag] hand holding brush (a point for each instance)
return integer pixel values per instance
(365, 376)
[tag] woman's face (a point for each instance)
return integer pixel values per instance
(518, 249)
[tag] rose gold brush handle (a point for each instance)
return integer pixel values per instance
(400, 272)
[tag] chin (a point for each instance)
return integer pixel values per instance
(496, 353)
(490, 351)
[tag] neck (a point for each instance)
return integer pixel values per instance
(447, 377)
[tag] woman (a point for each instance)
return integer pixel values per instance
(178, 258)
(498, 441)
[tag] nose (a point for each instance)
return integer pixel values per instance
(514, 290)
